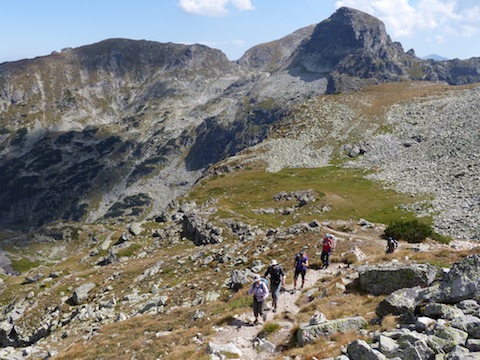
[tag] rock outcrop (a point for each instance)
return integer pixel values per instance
(385, 279)
(441, 321)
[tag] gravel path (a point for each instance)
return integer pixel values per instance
(243, 333)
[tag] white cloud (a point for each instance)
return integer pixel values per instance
(469, 31)
(405, 18)
(243, 4)
(439, 39)
(213, 7)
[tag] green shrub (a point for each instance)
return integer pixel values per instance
(270, 328)
(412, 231)
(441, 238)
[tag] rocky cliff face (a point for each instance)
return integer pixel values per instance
(350, 42)
(120, 128)
(352, 49)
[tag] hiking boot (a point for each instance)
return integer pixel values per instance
(255, 322)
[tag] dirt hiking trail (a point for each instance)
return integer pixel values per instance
(245, 336)
(248, 338)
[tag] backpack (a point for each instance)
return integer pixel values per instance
(275, 274)
(392, 244)
(327, 244)
(299, 259)
(260, 291)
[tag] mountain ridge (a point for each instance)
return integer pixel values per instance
(138, 122)
(141, 192)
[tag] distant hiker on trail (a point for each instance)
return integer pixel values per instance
(392, 244)
(260, 293)
(301, 265)
(277, 278)
(327, 247)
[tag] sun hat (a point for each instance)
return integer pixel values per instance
(256, 277)
(274, 262)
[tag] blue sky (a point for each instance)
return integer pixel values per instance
(30, 28)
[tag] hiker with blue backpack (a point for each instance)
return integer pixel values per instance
(277, 279)
(260, 293)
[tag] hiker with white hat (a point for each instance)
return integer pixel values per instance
(260, 293)
(277, 278)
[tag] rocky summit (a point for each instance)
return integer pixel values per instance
(144, 183)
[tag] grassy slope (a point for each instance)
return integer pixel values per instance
(345, 192)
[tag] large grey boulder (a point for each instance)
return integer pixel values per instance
(469, 307)
(387, 345)
(240, 278)
(470, 324)
(307, 333)
(418, 349)
(461, 282)
(452, 335)
(200, 231)
(384, 279)
(359, 349)
(81, 293)
(449, 328)
(443, 311)
(400, 302)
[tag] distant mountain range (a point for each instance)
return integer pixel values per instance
(121, 128)
(435, 57)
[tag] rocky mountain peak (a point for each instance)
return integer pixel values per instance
(353, 30)
(350, 42)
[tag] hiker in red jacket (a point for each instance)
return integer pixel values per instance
(327, 247)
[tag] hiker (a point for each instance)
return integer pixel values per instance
(260, 293)
(301, 265)
(327, 247)
(277, 278)
(392, 244)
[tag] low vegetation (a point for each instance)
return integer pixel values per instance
(412, 231)
(341, 194)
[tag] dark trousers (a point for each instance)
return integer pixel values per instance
(275, 289)
(257, 307)
(325, 258)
